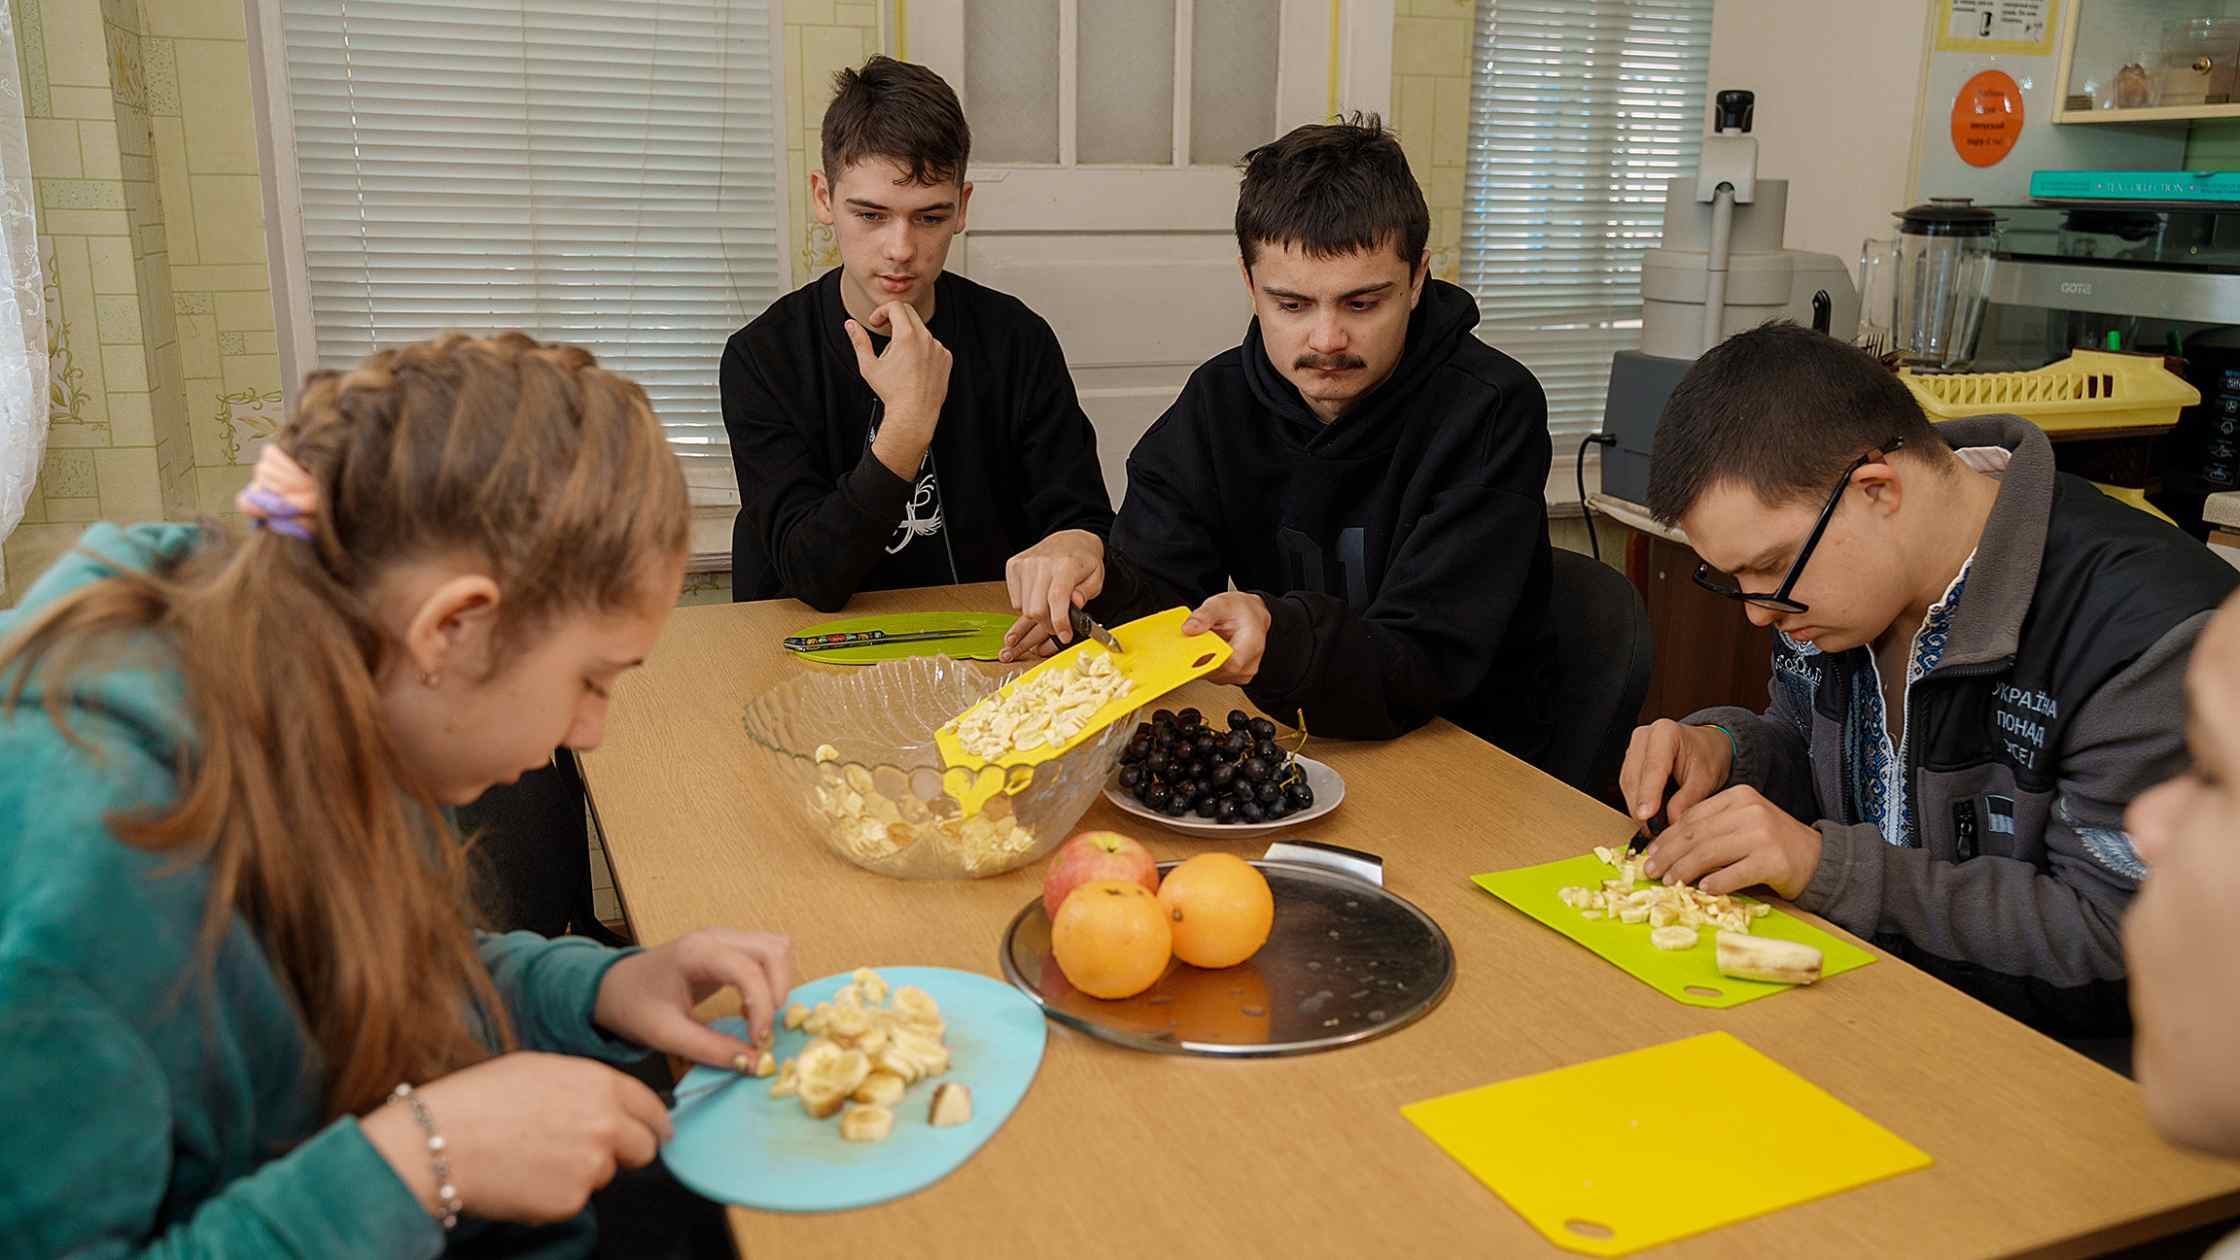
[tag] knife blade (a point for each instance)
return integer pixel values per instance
(1086, 627)
(1649, 831)
(869, 638)
(678, 1100)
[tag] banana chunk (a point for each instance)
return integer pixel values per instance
(788, 1083)
(870, 987)
(795, 1015)
(866, 1124)
(767, 1065)
(848, 1025)
(913, 1005)
(1763, 958)
(828, 1077)
(1674, 937)
(880, 1089)
(952, 1105)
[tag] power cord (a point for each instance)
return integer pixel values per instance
(1579, 470)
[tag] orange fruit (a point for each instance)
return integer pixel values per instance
(1219, 908)
(1111, 938)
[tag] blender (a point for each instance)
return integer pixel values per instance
(1922, 293)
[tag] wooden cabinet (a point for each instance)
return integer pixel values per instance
(1707, 651)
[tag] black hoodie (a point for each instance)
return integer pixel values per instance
(1402, 549)
(1013, 459)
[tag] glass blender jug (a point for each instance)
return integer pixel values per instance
(1922, 293)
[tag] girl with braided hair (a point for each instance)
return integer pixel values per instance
(242, 1009)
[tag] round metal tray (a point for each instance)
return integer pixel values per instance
(1346, 962)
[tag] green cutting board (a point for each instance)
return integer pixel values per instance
(1684, 975)
(986, 644)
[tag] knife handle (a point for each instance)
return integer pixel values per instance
(827, 642)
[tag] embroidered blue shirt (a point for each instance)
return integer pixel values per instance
(1877, 767)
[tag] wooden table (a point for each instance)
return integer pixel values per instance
(1121, 1153)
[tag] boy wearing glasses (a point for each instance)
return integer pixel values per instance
(1978, 662)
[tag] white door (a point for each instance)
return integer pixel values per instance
(1104, 140)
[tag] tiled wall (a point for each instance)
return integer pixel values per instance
(822, 37)
(1431, 42)
(159, 316)
(213, 194)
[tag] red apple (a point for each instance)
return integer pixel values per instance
(1095, 855)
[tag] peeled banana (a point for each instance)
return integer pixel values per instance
(1763, 958)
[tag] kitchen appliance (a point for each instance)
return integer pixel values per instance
(1922, 291)
(2130, 275)
(1719, 270)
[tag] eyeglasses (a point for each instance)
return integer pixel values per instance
(1779, 601)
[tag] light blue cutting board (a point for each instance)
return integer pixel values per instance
(739, 1145)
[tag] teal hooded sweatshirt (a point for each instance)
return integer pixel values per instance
(142, 1118)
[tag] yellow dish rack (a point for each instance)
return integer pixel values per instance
(2091, 389)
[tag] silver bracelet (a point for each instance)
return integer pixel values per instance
(445, 1191)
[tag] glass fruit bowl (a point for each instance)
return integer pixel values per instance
(853, 758)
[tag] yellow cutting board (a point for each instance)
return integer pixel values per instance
(1684, 975)
(1155, 655)
(1638, 1149)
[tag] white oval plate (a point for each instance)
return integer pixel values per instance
(1329, 792)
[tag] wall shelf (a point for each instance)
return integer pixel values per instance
(2165, 113)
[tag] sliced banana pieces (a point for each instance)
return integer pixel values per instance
(867, 1046)
(1672, 912)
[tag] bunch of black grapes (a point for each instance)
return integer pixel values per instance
(1179, 766)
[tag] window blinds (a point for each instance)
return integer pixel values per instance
(600, 172)
(1580, 110)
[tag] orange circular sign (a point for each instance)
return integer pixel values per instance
(1987, 118)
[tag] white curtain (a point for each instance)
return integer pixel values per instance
(23, 320)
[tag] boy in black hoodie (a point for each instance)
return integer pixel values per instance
(893, 425)
(1369, 475)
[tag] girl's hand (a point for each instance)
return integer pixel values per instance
(648, 998)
